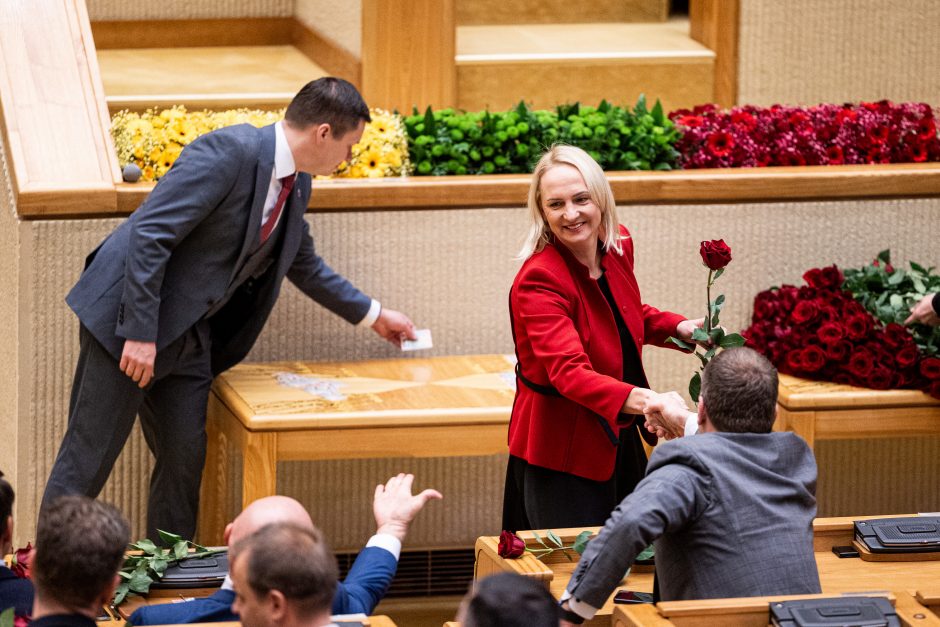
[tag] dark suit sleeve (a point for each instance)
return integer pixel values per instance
(366, 583)
(664, 501)
(197, 183)
(324, 285)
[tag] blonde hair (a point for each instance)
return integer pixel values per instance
(539, 233)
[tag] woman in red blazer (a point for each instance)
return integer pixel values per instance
(579, 327)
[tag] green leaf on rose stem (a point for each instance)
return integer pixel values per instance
(701, 358)
(884, 256)
(711, 352)
(145, 545)
(554, 538)
(896, 301)
(695, 386)
(168, 538)
(732, 339)
(159, 566)
(715, 335)
(681, 344)
(121, 593)
(645, 554)
(140, 583)
(717, 274)
(124, 574)
(7, 618)
(540, 541)
(896, 277)
(919, 285)
(181, 549)
(699, 335)
(918, 268)
(580, 542)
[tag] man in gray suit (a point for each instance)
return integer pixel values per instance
(730, 509)
(180, 291)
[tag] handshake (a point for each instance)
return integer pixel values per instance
(666, 415)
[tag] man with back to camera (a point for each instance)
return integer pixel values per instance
(80, 546)
(394, 509)
(15, 592)
(180, 291)
(730, 509)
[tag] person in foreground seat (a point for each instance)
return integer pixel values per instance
(284, 576)
(394, 507)
(730, 509)
(80, 547)
(15, 592)
(508, 600)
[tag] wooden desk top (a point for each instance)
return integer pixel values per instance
(471, 389)
(796, 393)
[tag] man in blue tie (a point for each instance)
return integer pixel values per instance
(180, 291)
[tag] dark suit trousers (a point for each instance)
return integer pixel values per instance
(103, 407)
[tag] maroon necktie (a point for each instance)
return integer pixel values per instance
(287, 184)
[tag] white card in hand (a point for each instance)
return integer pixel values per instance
(423, 341)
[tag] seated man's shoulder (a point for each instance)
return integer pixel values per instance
(211, 609)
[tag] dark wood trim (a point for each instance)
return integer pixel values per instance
(326, 53)
(255, 31)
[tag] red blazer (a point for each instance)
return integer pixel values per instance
(566, 337)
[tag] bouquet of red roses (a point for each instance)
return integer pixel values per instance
(820, 331)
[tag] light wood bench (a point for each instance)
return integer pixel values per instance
(304, 411)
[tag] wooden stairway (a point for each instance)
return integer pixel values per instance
(584, 51)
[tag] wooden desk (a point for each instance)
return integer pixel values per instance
(747, 612)
(302, 411)
(836, 575)
(817, 410)
(555, 570)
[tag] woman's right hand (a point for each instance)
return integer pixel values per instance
(636, 401)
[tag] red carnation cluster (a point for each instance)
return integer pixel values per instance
(746, 137)
(819, 331)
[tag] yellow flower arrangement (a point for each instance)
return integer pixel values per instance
(382, 151)
(154, 139)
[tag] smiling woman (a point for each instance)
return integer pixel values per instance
(579, 327)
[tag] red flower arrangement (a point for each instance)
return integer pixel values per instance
(22, 561)
(872, 132)
(820, 331)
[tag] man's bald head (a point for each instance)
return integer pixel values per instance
(266, 511)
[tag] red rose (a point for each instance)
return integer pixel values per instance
(861, 363)
(830, 333)
(907, 356)
(896, 335)
(812, 358)
(804, 312)
(930, 368)
(21, 562)
(510, 545)
(715, 254)
(858, 326)
(880, 378)
(20, 621)
(934, 389)
(839, 351)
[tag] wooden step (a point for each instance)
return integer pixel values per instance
(477, 12)
(550, 64)
(253, 76)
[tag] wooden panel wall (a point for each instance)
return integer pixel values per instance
(53, 109)
(714, 23)
(408, 49)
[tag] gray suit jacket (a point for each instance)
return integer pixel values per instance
(731, 514)
(174, 258)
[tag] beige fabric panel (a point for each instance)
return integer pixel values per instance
(102, 10)
(807, 51)
(338, 22)
(450, 270)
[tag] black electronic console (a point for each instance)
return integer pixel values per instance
(835, 612)
(915, 534)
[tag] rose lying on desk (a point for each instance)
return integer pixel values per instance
(141, 570)
(22, 559)
(512, 546)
